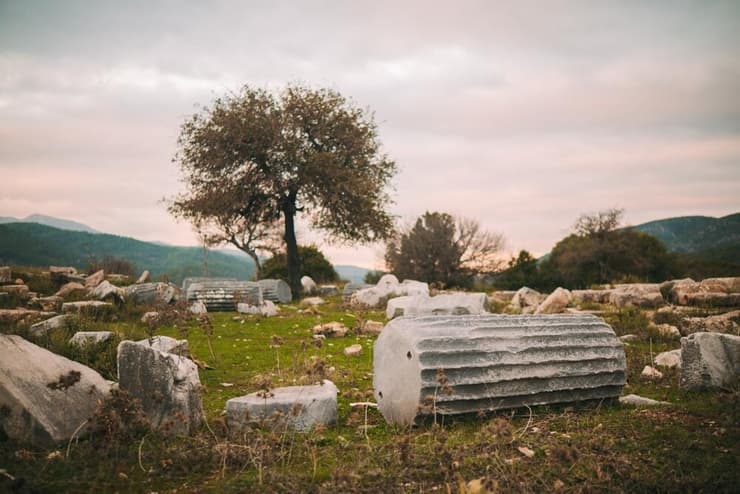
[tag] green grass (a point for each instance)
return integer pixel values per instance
(691, 446)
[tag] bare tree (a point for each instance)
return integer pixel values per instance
(598, 223)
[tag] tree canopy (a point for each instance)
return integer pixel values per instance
(440, 249)
(252, 161)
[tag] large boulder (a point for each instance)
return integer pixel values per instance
(297, 407)
(443, 304)
(167, 384)
(556, 302)
(637, 294)
(525, 297)
(709, 360)
(47, 398)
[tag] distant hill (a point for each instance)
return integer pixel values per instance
(50, 221)
(33, 244)
(355, 274)
(714, 239)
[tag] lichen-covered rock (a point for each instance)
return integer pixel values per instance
(729, 322)
(46, 397)
(84, 338)
(166, 344)
(637, 294)
(443, 304)
(469, 364)
(167, 384)
(556, 302)
(709, 360)
(297, 407)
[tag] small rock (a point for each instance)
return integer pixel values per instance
(87, 306)
(651, 373)
(353, 350)
(312, 301)
(331, 329)
(143, 278)
(666, 330)
(198, 307)
(669, 359)
(526, 297)
(640, 401)
(49, 304)
(628, 337)
(150, 317)
(69, 288)
(372, 327)
(43, 327)
(526, 451)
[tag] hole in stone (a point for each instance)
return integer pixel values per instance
(408, 355)
(380, 394)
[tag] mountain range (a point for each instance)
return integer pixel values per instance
(40, 240)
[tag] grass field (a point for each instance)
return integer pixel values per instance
(691, 446)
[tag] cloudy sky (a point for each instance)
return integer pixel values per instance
(522, 115)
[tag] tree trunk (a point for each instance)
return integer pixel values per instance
(292, 259)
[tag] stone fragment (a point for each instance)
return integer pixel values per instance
(526, 297)
(105, 290)
(628, 337)
(22, 316)
(387, 287)
(150, 317)
(48, 304)
(297, 407)
(46, 397)
(714, 299)
(709, 360)
(468, 364)
(637, 294)
(350, 288)
(328, 290)
(152, 293)
(21, 291)
(5, 274)
(353, 350)
(556, 302)
(143, 278)
(331, 329)
(651, 373)
(94, 279)
(457, 303)
(91, 307)
(267, 308)
(62, 274)
(167, 384)
(669, 359)
(56, 322)
(166, 344)
(666, 330)
(69, 288)
(729, 322)
(308, 285)
(372, 327)
(312, 301)
(198, 307)
(84, 338)
(221, 294)
(277, 291)
(640, 401)
(591, 296)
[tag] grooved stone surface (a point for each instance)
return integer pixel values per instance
(492, 362)
(709, 360)
(276, 291)
(223, 294)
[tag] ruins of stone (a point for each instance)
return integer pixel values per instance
(48, 304)
(105, 290)
(220, 294)
(277, 291)
(386, 288)
(671, 358)
(5, 274)
(48, 397)
(94, 279)
(297, 407)
(267, 308)
(84, 338)
(637, 294)
(455, 303)
(308, 285)
(556, 302)
(350, 288)
(709, 360)
(330, 329)
(167, 384)
(468, 364)
(640, 401)
(69, 288)
(526, 299)
(152, 293)
(86, 306)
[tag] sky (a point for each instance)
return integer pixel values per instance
(521, 115)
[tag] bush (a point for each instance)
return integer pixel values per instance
(313, 264)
